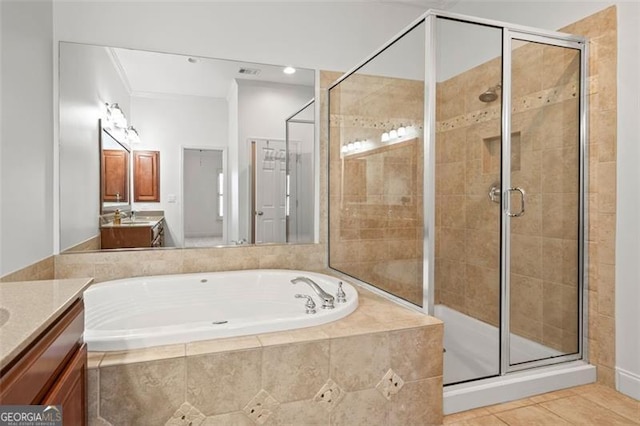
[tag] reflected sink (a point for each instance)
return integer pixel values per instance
(136, 222)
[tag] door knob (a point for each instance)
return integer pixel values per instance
(259, 213)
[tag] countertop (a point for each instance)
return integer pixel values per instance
(141, 221)
(27, 308)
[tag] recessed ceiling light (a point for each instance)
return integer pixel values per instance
(192, 60)
(289, 70)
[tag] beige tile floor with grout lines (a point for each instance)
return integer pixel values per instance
(584, 405)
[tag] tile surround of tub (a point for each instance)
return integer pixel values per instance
(104, 266)
(316, 375)
(548, 261)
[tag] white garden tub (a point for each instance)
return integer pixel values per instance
(169, 309)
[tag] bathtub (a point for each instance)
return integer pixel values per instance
(170, 309)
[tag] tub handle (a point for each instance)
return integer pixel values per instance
(310, 305)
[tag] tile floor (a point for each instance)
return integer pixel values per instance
(584, 405)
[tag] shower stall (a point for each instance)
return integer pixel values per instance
(457, 173)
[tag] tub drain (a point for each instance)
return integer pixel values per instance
(203, 280)
(219, 322)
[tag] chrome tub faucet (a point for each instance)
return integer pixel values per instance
(327, 299)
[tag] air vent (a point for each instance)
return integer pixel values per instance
(249, 71)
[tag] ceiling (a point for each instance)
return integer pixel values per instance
(161, 73)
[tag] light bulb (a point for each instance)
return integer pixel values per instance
(289, 70)
(357, 144)
(132, 135)
(393, 134)
(385, 137)
(344, 149)
(350, 146)
(402, 131)
(116, 116)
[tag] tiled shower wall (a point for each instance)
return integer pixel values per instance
(544, 134)
(376, 196)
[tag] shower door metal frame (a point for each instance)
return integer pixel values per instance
(429, 139)
(509, 32)
(505, 256)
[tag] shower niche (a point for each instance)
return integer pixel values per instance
(478, 216)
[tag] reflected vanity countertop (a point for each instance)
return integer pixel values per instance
(139, 221)
(27, 308)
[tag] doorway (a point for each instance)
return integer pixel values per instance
(204, 193)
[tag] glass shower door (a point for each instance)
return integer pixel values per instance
(542, 202)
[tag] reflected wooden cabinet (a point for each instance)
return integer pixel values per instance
(146, 176)
(114, 237)
(115, 179)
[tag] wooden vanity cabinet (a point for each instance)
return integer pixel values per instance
(146, 176)
(115, 175)
(52, 370)
(114, 237)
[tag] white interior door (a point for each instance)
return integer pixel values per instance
(270, 191)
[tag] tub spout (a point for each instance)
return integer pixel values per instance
(327, 299)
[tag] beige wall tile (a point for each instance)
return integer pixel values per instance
(362, 407)
(234, 419)
(294, 372)
(408, 406)
(305, 412)
(223, 382)
(416, 354)
(142, 394)
(355, 368)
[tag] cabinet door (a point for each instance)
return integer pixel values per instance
(146, 176)
(70, 390)
(115, 180)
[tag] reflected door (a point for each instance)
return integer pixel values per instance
(542, 204)
(269, 191)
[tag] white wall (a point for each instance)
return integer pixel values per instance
(166, 124)
(628, 205)
(262, 111)
(201, 169)
(88, 80)
(554, 15)
(316, 35)
(26, 167)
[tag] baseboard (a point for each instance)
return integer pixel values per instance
(628, 383)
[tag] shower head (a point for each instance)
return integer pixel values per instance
(490, 94)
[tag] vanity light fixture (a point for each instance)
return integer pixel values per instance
(132, 135)
(385, 137)
(402, 131)
(115, 116)
(393, 134)
(289, 70)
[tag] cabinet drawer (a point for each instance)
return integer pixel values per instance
(70, 389)
(28, 379)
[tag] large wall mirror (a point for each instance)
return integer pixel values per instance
(235, 141)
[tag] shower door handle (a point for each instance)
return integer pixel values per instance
(522, 202)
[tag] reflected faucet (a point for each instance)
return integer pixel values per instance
(327, 299)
